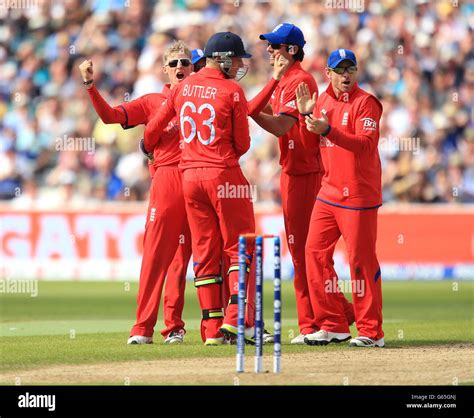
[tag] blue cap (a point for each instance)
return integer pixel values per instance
(285, 33)
(340, 55)
(196, 55)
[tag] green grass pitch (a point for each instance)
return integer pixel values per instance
(89, 322)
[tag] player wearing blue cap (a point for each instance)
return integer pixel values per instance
(347, 118)
(301, 166)
(198, 59)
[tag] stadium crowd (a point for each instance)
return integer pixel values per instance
(416, 56)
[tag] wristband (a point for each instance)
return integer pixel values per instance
(87, 83)
(326, 132)
(306, 114)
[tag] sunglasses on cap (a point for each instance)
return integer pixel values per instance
(184, 62)
(341, 70)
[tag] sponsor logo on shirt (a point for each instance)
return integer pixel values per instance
(369, 124)
(171, 130)
(324, 142)
(172, 127)
(152, 214)
(236, 97)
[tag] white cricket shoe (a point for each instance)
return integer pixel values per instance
(268, 338)
(299, 339)
(366, 342)
(139, 339)
(175, 337)
(323, 337)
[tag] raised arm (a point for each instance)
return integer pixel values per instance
(366, 136)
(259, 102)
(106, 113)
(277, 125)
(281, 123)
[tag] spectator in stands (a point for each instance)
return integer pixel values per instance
(417, 56)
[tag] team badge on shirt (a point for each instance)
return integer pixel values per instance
(152, 214)
(345, 119)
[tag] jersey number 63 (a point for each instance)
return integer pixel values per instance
(188, 119)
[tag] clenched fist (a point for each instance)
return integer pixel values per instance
(86, 70)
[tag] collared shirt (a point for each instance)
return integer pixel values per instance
(212, 119)
(294, 157)
(352, 177)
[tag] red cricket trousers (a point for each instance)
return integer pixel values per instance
(173, 301)
(166, 254)
(298, 194)
(219, 209)
(359, 230)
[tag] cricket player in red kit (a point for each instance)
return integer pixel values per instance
(255, 106)
(212, 113)
(167, 241)
(347, 118)
(301, 166)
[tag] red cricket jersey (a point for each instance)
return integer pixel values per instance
(353, 173)
(141, 111)
(295, 158)
(212, 116)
